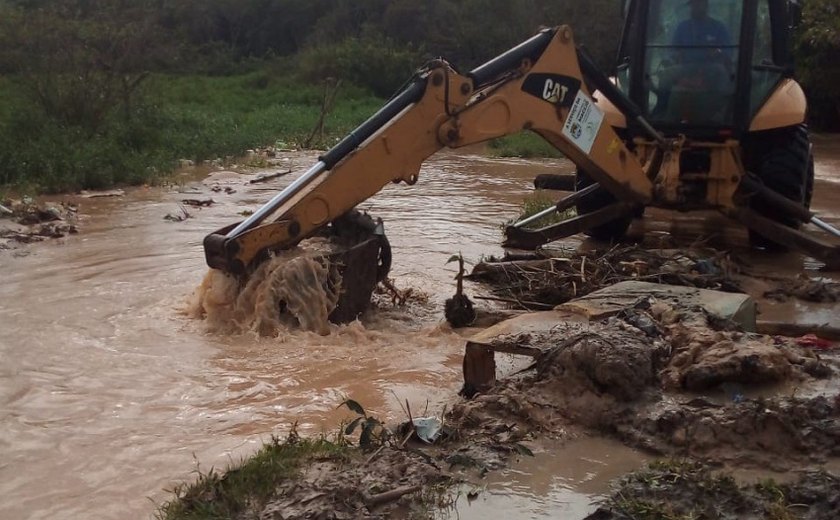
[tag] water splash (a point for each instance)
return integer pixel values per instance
(297, 288)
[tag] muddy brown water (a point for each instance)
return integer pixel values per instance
(108, 395)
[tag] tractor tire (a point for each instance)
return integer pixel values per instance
(611, 231)
(782, 160)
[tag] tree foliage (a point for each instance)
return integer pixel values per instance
(818, 46)
(74, 73)
(82, 58)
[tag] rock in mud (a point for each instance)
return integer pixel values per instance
(615, 361)
(582, 374)
(459, 311)
(26, 221)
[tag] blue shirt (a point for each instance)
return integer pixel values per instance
(707, 32)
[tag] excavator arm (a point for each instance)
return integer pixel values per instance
(537, 86)
(542, 86)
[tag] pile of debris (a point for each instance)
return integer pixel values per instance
(24, 221)
(539, 281)
(670, 382)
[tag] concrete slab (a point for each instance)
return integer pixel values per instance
(521, 339)
(739, 308)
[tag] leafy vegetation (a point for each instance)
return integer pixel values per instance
(525, 145)
(102, 92)
(372, 433)
(817, 48)
(537, 202)
(180, 117)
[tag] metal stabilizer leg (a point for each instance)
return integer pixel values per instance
(564, 204)
(520, 238)
(822, 250)
(825, 226)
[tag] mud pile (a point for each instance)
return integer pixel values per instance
(689, 490)
(389, 484)
(299, 287)
(641, 387)
(25, 221)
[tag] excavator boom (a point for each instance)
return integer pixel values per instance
(536, 86)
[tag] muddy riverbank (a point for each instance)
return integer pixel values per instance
(110, 396)
(666, 378)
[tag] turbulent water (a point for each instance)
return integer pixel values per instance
(298, 288)
(109, 394)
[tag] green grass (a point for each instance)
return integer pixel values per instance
(536, 202)
(225, 116)
(525, 145)
(180, 117)
(248, 485)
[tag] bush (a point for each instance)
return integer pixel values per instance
(818, 45)
(372, 62)
(183, 117)
(525, 145)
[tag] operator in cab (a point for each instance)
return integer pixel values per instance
(700, 34)
(699, 82)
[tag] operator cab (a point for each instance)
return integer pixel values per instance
(703, 68)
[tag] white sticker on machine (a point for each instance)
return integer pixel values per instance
(583, 123)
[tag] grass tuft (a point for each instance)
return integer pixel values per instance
(536, 202)
(217, 496)
(526, 145)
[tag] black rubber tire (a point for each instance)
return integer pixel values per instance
(611, 231)
(809, 181)
(782, 160)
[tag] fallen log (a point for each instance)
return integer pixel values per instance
(374, 501)
(196, 203)
(269, 177)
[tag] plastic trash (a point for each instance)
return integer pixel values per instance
(428, 429)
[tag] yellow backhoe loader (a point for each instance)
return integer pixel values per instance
(702, 113)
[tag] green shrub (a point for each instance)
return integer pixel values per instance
(182, 117)
(525, 145)
(372, 62)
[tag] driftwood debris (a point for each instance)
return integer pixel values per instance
(269, 177)
(539, 283)
(197, 203)
(374, 501)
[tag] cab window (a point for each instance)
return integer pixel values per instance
(692, 61)
(765, 71)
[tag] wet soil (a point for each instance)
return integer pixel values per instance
(617, 379)
(679, 489)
